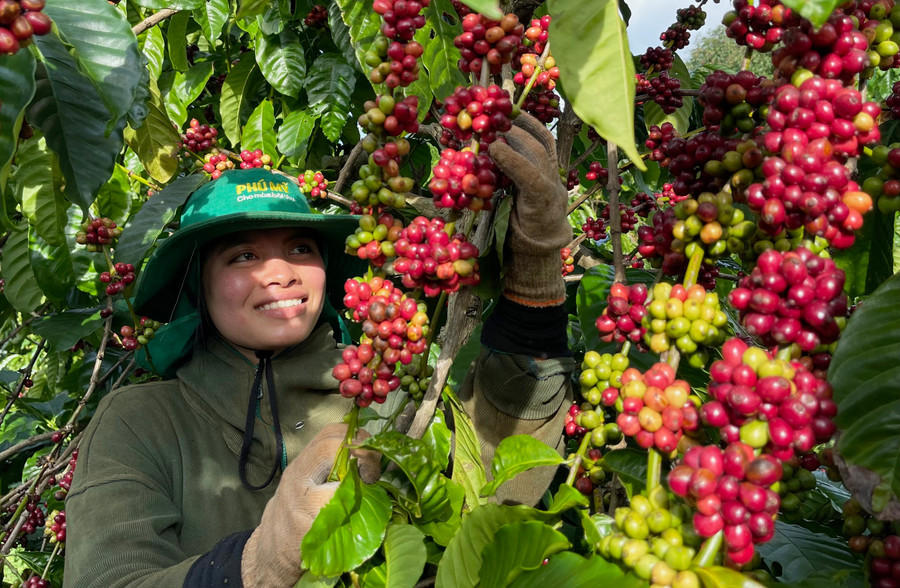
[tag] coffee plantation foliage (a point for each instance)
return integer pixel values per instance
(726, 226)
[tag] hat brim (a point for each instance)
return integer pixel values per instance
(163, 279)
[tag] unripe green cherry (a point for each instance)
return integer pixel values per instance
(755, 434)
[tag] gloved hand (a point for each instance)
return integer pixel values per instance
(538, 227)
(271, 556)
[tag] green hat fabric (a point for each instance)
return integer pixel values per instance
(240, 200)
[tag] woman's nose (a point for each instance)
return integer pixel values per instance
(278, 271)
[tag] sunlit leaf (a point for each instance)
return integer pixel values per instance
(817, 11)
(294, 134)
(259, 132)
(212, 16)
(19, 287)
(798, 552)
(156, 142)
(441, 55)
(39, 191)
(517, 454)
(330, 85)
(517, 548)
(16, 90)
(234, 103)
(281, 60)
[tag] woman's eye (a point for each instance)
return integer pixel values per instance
(245, 256)
(303, 248)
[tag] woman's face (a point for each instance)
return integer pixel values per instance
(264, 288)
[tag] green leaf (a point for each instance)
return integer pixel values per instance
(52, 267)
(140, 234)
(139, 108)
(104, 49)
(157, 141)
(70, 114)
(37, 561)
(212, 16)
(468, 469)
(865, 375)
(797, 551)
(189, 85)
(176, 39)
(441, 55)
(464, 358)
(311, 581)
(114, 199)
(869, 261)
(519, 547)
(234, 103)
(259, 132)
(170, 4)
(461, 565)
(330, 84)
(592, 294)
(340, 34)
(443, 531)
(489, 8)
(438, 437)
(281, 60)
(63, 330)
(517, 454)
(155, 50)
(294, 134)
(567, 497)
(20, 286)
(595, 67)
(596, 527)
(574, 571)
(719, 577)
(631, 466)
(817, 11)
(420, 468)
(364, 24)
(680, 119)
(16, 91)
(404, 555)
(248, 8)
(348, 530)
(38, 190)
(501, 224)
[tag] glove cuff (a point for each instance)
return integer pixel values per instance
(534, 280)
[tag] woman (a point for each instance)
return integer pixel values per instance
(213, 477)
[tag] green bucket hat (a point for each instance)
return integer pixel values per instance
(240, 200)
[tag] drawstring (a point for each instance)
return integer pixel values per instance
(264, 366)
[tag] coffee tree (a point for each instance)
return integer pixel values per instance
(733, 296)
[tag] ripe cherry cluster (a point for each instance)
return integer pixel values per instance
(66, 482)
(692, 17)
(666, 92)
(313, 184)
(254, 159)
(35, 581)
(118, 279)
(655, 243)
(690, 319)
(885, 186)
(568, 261)
(656, 409)
(570, 179)
(688, 160)
(460, 8)
(56, 530)
(793, 297)
(654, 539)
(713, 224)
(676, 37)
(625, 311)
(19, 20)
(462, 179)
(394, 331)
(884, 569)
(199, 138)
(97, 232)
(391, 117)
(877, 21)
(429, 258)
(542, 104)
(317, 17)
(400, 21)
(759, 25)
(657, 135)
(731, 491)
(402, 66)
(599, 373)
(837, 50)
(545, 79)
(594, 228)
(893, 101)
(731, 103)
(657, 59)
(476, 109)
(216, 163)
(138, 335)
(374, 238)
(642, 204)
(590, 472)
(669, 196)
(596, 171)
(36, 516)
(767, 403)
(537, 35)
(485, 40)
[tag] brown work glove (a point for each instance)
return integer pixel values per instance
(538, 227)
(271, 556)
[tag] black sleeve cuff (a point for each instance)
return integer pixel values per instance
(221, 566)
(538, 332)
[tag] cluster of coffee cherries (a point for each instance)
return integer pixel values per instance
(568, 261)
(415, 378)
(792, 297)
(487, 41)
(666, 92)
(689, 319)
(400, 19)
(884, 569)
(711, 223)
(118, 279)
(388, 116)
(94, 233)
(375, 187)
(56, 531)
(462, 179)
(885, 186)
(759, 25)
(215, 163)
(731, 491)
(536, 35)
(313, 184)
(654, 407)
(19, 20)
(625, 311)
(546, 78)
(374, 238)
(394, 329)
(254, 159)
(478, 110)
(657, 59)
(676, 37)
(199, 138)
(429, 258)
(317, 17)
(590, 473)
(692, 17)
(657, 135)
(35, 581)
(797, 480)
(893, 101)
(655, 243)
(878, 21)
(36, 516)
(598, 373)
(542, 104)
(767, 402)
(836, 50)
(401, 68)
(66, 481)
(596, 172)
(594, 228)
(138, 335)
(731, 103)
(654, 539)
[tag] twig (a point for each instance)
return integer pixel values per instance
(15, 332)
(581, 199)
(583, 157)
(33, 440)
(349, 167)
(152, 20)
(137, 177)
(95, 374)
(26, 373)
(615, 219)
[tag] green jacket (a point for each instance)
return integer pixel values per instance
(157, 484)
